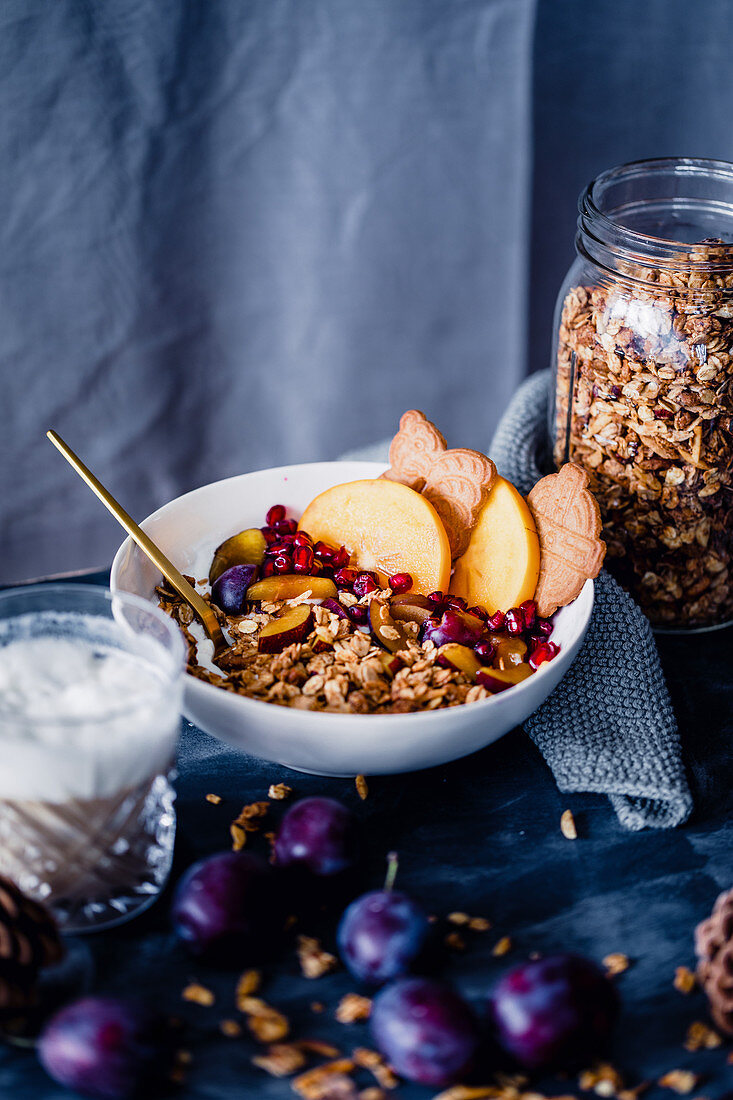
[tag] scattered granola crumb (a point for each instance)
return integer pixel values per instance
(616, 963)
(278, 792)
(316, 1084)
(361, 787)
(215, 799)
(701, 1037)
(470, 1092)
(479, 924)
(455, 941)
(377, 1066)
(239, 837)
(633, 1094)
(198, 994)
(502, 947)
(265, 1022)
(373, 1093)
(319, 1047)
(317, 1007)
(353, 1007)
(684, 980)
(679, 1080)
(281, 1059)
(248, 984)
(602, 1078)
(567, 825)
(183, 1057)
(458, 918)
(314, 961)
(230, 1028)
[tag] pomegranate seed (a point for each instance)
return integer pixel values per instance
(302, 538)
(270, 535)
(542, 652)
(345, 577)
(358, 614)
(283, 563)
(364, 583)
(478, 613)
(485, 651)
(400, 582)
(286, 527)
(456, 602)
(341, 558)
(279, 547)
(542, 628)
(324, 551)
(302, 559)
(529, 610)
(514, 621)
(496, 621)
(268, 569)
(276, 514)
(436, 598)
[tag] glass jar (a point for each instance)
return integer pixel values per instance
(642, 386)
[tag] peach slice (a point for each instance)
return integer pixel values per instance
(286, 586)
(500, 568)
(387, 527)
(246, 548)
(291, 627)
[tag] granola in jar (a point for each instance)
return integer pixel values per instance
(644, 370)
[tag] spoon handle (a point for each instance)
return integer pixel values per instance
(146, 544)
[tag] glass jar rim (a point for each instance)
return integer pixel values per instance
(605, 240)
(170, 675)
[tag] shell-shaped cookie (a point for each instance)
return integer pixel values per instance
(457, 486)
(414, 450)
(568, 522)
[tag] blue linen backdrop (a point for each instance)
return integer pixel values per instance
(239, 233)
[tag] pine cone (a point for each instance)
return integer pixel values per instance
(714, 949)
(29, 940)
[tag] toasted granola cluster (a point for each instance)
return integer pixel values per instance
(336, 668)
(644, 404)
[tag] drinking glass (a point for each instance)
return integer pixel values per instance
(91, 686)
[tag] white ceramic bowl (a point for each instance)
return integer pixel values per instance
(192, 526)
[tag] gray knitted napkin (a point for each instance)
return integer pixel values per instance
(609, 726)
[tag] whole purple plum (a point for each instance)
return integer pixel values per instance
(226, 907)
(105, 1047)
(425, 1031)
(556, 1011)
(319, 834)
(381, 934)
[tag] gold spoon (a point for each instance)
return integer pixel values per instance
(200, 608)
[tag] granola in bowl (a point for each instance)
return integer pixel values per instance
(352, 656)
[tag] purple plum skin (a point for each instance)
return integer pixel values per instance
(427, 1033)
(381, 934)
(225, 908)
(335, 607)
(454, 626)
(107, 1048)
(229, 591)
(318, 834)
(557, 1011)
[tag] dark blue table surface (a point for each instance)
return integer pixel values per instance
(480, 835)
